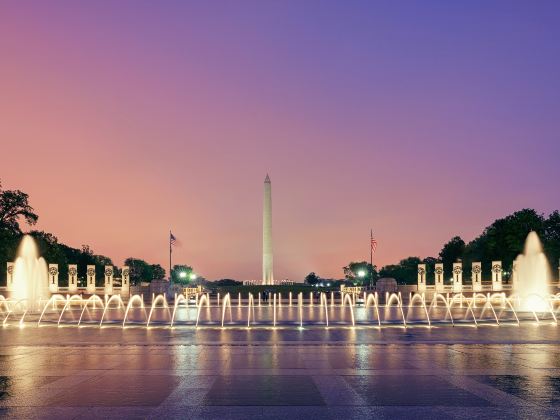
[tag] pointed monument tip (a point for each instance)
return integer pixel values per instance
(267, 179)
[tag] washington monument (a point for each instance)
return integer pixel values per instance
(268, 278)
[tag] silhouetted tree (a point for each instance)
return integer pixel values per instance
(227, 282)
(181, 274)
(551, 239)
(312, 279)
(14, 205)
(405, 272)
(158, 272)
(503, 240)
(451, 252)
(360, 273)
(140, 270)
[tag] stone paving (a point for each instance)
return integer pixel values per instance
(445, 372)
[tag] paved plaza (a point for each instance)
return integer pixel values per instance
(442, 372)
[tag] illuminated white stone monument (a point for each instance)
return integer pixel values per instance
(72, 278)
(125, 281)
(457, 277)
(53, 278)
(109, 279)
(497, 276)
(476, 276)
(90, 275)
(421, 278)
(268, 277)
(438, 274)
(10, 276)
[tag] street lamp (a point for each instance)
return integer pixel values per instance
(192, 276)
(361, 273)
(182, 274)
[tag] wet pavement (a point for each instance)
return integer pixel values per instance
(363, 372)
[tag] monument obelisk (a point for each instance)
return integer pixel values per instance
(267, 233)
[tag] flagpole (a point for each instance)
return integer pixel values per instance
(170, 256)
(371, 247)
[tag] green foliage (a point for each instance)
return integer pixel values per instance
(551, 239)
(158, 272)
(502, 241)
(181, 274)
(227, 283)
(14, 205)
(452, 251)
(405, 272)
(312, 279)
(360, 273)
(141, 271)
(57, 253)
(8, 246)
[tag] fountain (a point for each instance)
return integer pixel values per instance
(159, 298)
(325, 303)
(530, 301)
(533, 273)
(180, 298)
(30, 281)
(250, 305)
(226, 304)
(120, 305)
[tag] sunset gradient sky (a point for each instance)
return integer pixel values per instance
(423, 120)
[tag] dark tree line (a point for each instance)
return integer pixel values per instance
(502, 241)
(15, 209)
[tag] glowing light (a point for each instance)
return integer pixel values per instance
(361, 273)
(192, 276)
(182, 274)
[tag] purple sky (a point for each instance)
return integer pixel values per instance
(423, 120)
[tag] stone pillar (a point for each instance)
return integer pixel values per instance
(421, 278)
(476, 276)
(72, 278)
(10, 266)
(90, 279)
(109, 279)
(457, 277)
(53, 278)
(497, 276)
(125, 285)
(438, 274)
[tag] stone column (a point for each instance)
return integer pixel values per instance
(476, 276)
(90, 279)
(10, 266)
(421, 278)
(125, 285)
(109, 279)
(53, 278)
(72, 278)
(457, 277)
(497, 276)
(438, 273)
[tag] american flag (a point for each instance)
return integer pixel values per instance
(373, 243)
(172, 239)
